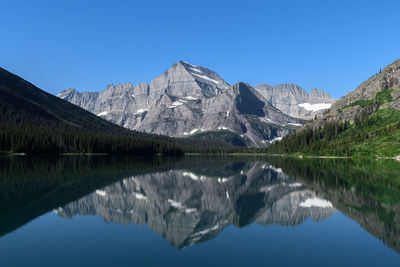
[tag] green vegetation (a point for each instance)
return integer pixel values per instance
(384, 96)
(375, 132)
(369, 135)
(361, 103)
(381, 97)
(22, 132)
(379, 180)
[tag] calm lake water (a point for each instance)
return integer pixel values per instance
(107, 211)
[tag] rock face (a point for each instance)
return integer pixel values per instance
(293, 100)
(187, 100)
(365, 99)
(188, 207)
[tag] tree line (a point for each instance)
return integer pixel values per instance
(369, 134)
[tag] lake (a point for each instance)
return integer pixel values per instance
(196, 211)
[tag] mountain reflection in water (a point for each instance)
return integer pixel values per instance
(191, 200)
(188, 207)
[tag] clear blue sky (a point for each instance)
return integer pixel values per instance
(331, 45)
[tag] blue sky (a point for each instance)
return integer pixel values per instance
(331, 45)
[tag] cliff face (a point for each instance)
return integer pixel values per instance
(378, 92)
(187, 100)
(291, 99)
(188, 208)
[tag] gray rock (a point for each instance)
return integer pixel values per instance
(346, 108)
(187, 99)
(293, 100)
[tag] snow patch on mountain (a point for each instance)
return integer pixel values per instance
(196, 70)
(278, 138)
(222, 180)
(316, 202)
(140, 196)
(315, 107)
(177, 103)
(140, 111)
(189, 64)
(206, 231)
(101, 193)
(191, 98)
(180, 206)
(191, 132)
(295, 185)
(104, 113)
(206, 78)
(191, 175)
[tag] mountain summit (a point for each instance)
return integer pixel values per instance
(189, 100)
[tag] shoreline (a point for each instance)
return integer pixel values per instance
(11, 154)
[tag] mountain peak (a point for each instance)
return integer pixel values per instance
(319, 93)
(184, 79)
(185, 63)
(66, 92)
(186, 99)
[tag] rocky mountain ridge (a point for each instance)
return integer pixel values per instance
(378, 92)
(188, 100)
(293, 100)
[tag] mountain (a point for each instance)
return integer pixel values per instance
(188, 206)
(189, 100)
(363, 122)
(293, 100)
(379, 92)
(33, 121)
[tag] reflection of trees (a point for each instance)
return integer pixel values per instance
(367, 191)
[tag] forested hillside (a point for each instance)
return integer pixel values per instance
(35, 122)
(365, 122)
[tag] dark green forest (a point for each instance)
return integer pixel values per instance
(369, 135)
(22, 132)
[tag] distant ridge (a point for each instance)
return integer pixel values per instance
(293, 100)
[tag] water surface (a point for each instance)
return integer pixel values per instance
(107, 211)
